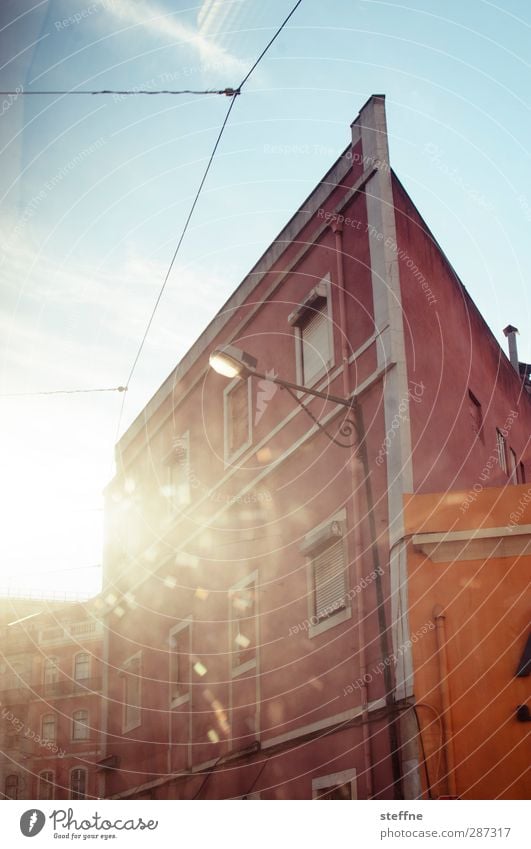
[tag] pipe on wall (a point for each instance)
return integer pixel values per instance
(439, 619)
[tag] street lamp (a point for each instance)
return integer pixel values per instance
(230, 362)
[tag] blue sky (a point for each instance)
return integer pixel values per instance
(95, 192)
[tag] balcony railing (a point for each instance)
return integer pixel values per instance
(91, 629)
(67, 687)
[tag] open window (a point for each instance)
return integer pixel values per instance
(180, 647)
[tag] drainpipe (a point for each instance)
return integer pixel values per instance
(361, 472)
(337, 229)
(440, 631)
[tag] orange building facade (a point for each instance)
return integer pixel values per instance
(468, 583)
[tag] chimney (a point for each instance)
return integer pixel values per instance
(510, 333)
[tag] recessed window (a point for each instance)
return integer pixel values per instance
(80, 725)
(502, 450)
(513, 466)
(49, 728)
(78, 783)
(132, 692)
(339, 785)
(82, 666)
(179, 662)
(243, 625)
(521, 473)
(11, 786)
(46, 785)
(312, 321)
(177, 487)
(476, 414)
(51, 676)
(237, 418)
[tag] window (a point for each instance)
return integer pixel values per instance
(243, 622)
(50, 676)
(476, 414)
(339, 785)
(46, 785)
(82, 666)
(325, 549)
(513, 466)
(521, 473)
(313, 333)
(178, 473)
(78, 784)
(179, 662)
(502, 454)
(49, 727)
(80, 725)
(132, 693)
(12, 786)
(237, 417)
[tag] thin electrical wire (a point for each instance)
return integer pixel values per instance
(228, 92)
(61, 392)
(237, 91)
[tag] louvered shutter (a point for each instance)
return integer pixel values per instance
(329, 580)
(315, 346)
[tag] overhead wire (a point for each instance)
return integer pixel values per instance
(61, 392)
(237, 91)
(228, 92)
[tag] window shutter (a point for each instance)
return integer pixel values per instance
(315, 346)
(329, 580)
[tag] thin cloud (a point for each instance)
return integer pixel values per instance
(162, 24)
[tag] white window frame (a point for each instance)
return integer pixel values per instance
(41, 781)
(51, 664)
(129, 726)
(230, 458)
(43, 737)
(335, 779)
(177, 629)
(298, 336)
(70, 790)
(78, 654)
(344, 613)
(235, 671)
(76, 724)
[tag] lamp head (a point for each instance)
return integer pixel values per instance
(232, 362)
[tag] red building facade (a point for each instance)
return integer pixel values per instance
(257, 629)
(50, 693)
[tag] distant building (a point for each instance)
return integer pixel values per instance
(260, 635)
(50, 699)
